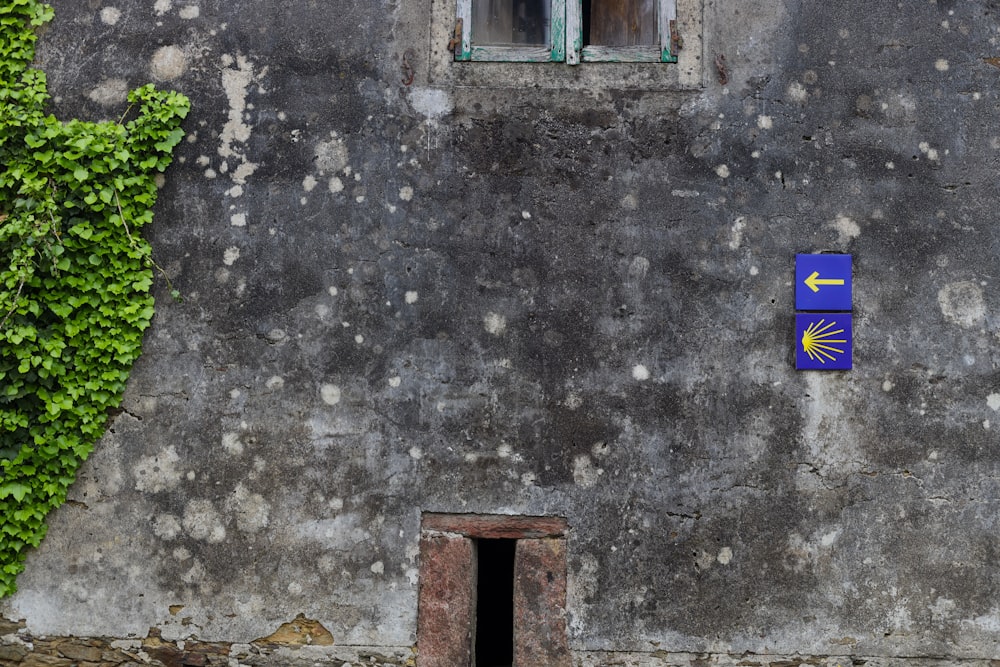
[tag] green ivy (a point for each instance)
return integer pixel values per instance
(74, 279)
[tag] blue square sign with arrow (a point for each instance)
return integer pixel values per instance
(823, 282)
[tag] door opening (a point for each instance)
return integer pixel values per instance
(495, 602)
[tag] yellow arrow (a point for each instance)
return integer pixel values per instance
(814, 281)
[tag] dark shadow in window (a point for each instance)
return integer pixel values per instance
(495, 603)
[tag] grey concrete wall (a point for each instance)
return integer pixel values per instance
(551, 290)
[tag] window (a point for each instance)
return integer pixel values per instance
(492, 591)
(570, 31)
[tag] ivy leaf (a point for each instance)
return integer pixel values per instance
(19, 491)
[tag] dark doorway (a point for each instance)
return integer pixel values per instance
(495, 603)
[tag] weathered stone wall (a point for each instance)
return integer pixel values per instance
(559, 291)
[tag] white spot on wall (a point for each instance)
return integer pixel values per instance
(162, 7)
(736, 233)
(828, 539)
(411, 296)
(377, 567)
(308, 183)
(202, 522)
(722, 171)
(942, 609)
(640, 372)
(275, 382)
(110, 15)
(330, 393)
(430, 102)
(331, 156)
(231, 443)
(251, 510)
(359, 339)
(495, 323)
(962, 303)
(504, 451)
(230, 255)
(765, 122)
(109, 92)
(993, 401)
(638, 268)
(931, 153)
(416, 453)
(235, 81)
(166, 526)
(395, 381)
(242, 171)
(941, 65)
(238, 219)
(846, 228)
(169, 62)
(887, 386)
(796, 92)
(585, 474)
(235, 191)
(725, 556)
(406, 193)
(189, 12)
(336, 185)
(157, 473)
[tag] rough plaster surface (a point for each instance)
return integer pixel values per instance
(573, 300)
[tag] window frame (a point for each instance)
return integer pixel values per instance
(566, 33)
(555, 52)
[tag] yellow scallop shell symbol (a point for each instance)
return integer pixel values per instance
(817, 339)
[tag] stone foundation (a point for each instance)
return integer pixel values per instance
(18, 648)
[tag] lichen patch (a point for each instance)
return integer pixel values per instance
(110, 92)
(202, 522)
(962, 303)
(110, 15)
(168, 63)
(495, 324)
(157, 473)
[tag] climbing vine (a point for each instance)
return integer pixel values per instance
(75, 276)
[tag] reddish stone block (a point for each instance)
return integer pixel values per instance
(494, 526)
(446, 604)
(540, 603)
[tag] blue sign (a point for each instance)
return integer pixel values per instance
(823, 341)
(823, 282)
